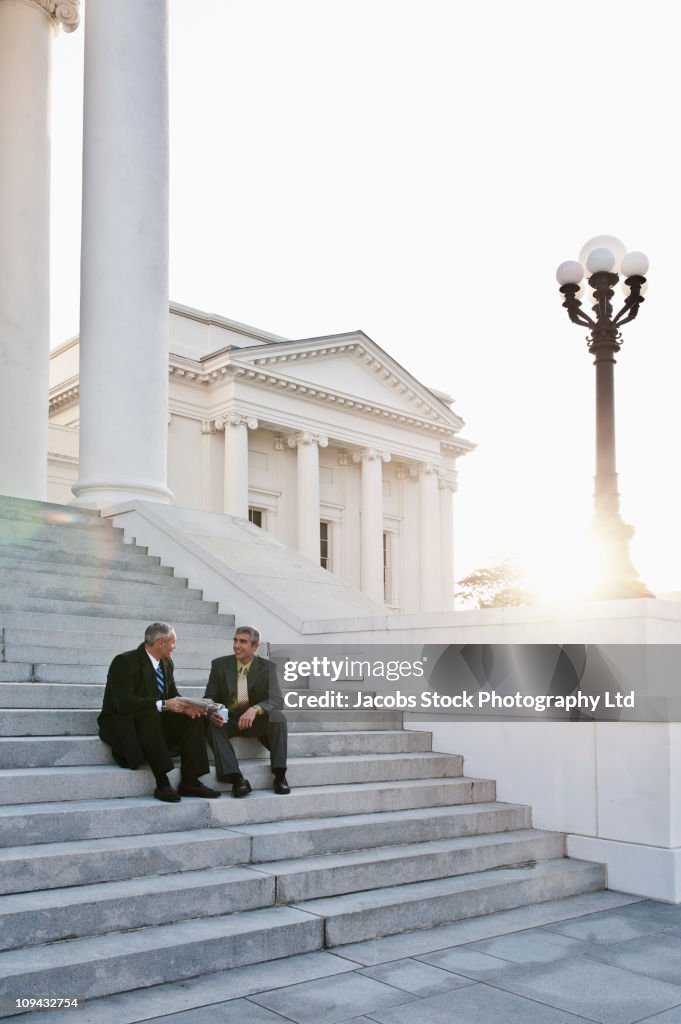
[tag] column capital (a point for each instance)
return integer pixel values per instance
(60, 12)
(208, 426)
(448, 482)
(371, 455)
(307, 437)
(428, 469)
(407, 472)
(235, 419)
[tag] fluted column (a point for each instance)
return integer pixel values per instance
(430, 564)
(26, 32)
(124, 257)
(371, 521)
(236, 427)
(308, 445)
(447, 485)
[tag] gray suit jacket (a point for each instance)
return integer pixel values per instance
(263, 686)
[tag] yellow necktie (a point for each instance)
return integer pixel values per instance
(242, 687)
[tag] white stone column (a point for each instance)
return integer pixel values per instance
(430, 563)
(124, 257)
(26, 32)
(236, 427)
(371, 521)
(308, 446)
(447, 485)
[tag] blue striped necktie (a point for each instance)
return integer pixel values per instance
(160, 681)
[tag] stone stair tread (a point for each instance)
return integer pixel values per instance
(150, 840)
(132, 625)
(141, 943)
(432, 888)
(154, 574)
(369, 855)
(34, 918)
(361, 915)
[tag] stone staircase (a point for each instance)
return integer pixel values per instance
(103, 889)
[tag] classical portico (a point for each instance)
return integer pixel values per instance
(328, 444)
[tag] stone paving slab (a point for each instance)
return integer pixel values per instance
(597, 991)
(534, 946)
(420, 979)
(656, 956)
(329, 1001)
(477, 1004)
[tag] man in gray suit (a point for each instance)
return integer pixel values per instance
(247, 685)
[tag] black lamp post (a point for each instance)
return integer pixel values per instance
(618, 576)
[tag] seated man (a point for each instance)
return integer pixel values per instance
(247, 685)
(143, 715)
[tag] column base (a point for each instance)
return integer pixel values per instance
(617, 577)
(103, 493)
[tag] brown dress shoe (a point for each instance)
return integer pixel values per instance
(167, 794)
(197, 789)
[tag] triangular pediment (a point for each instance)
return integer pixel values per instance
(351, 367)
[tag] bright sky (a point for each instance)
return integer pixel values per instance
(418, 171)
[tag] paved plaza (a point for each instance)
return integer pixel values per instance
(604, 957)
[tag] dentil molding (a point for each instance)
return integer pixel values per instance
(60, 12)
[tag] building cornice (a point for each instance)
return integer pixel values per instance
(64, 394)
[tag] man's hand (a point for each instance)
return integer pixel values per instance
(247, 718)
(216, 719)
(180, 707)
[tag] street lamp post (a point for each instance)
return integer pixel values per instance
(619, 578)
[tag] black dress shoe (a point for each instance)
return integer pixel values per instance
(167, 794)
(197, 789)
(281, 786)
(241, 788)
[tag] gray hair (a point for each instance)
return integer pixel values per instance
(252, 632)
(156, 630)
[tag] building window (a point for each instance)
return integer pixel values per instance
(387, 568)
(325, 545)
(255, 516)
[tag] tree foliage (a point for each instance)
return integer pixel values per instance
(501, 585)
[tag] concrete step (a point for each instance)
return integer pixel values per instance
(55, 519)
(84, 696)
(194, 655)
(26, 824)
(93, 674)
(49, 751)
(121, 961)
(101, 782)
(13, 672)
(117, 555)
(310, 837)
(95, 904)
(55, 865)
(308, 878)
(69, 722)
(128, 632)
(159, 575)
(94, 819)
(62, 586)
(57, 641)
(157, 608)
(326, 801)
(366, 915)
(29, 919)
(31, 505)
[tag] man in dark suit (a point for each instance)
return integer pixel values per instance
(143, 715)
(247, 685)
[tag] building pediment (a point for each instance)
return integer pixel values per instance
(350, 370)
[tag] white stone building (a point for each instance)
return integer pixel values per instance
(326, 443)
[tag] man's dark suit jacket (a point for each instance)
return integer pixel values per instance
(263, 686)
(131, 686)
